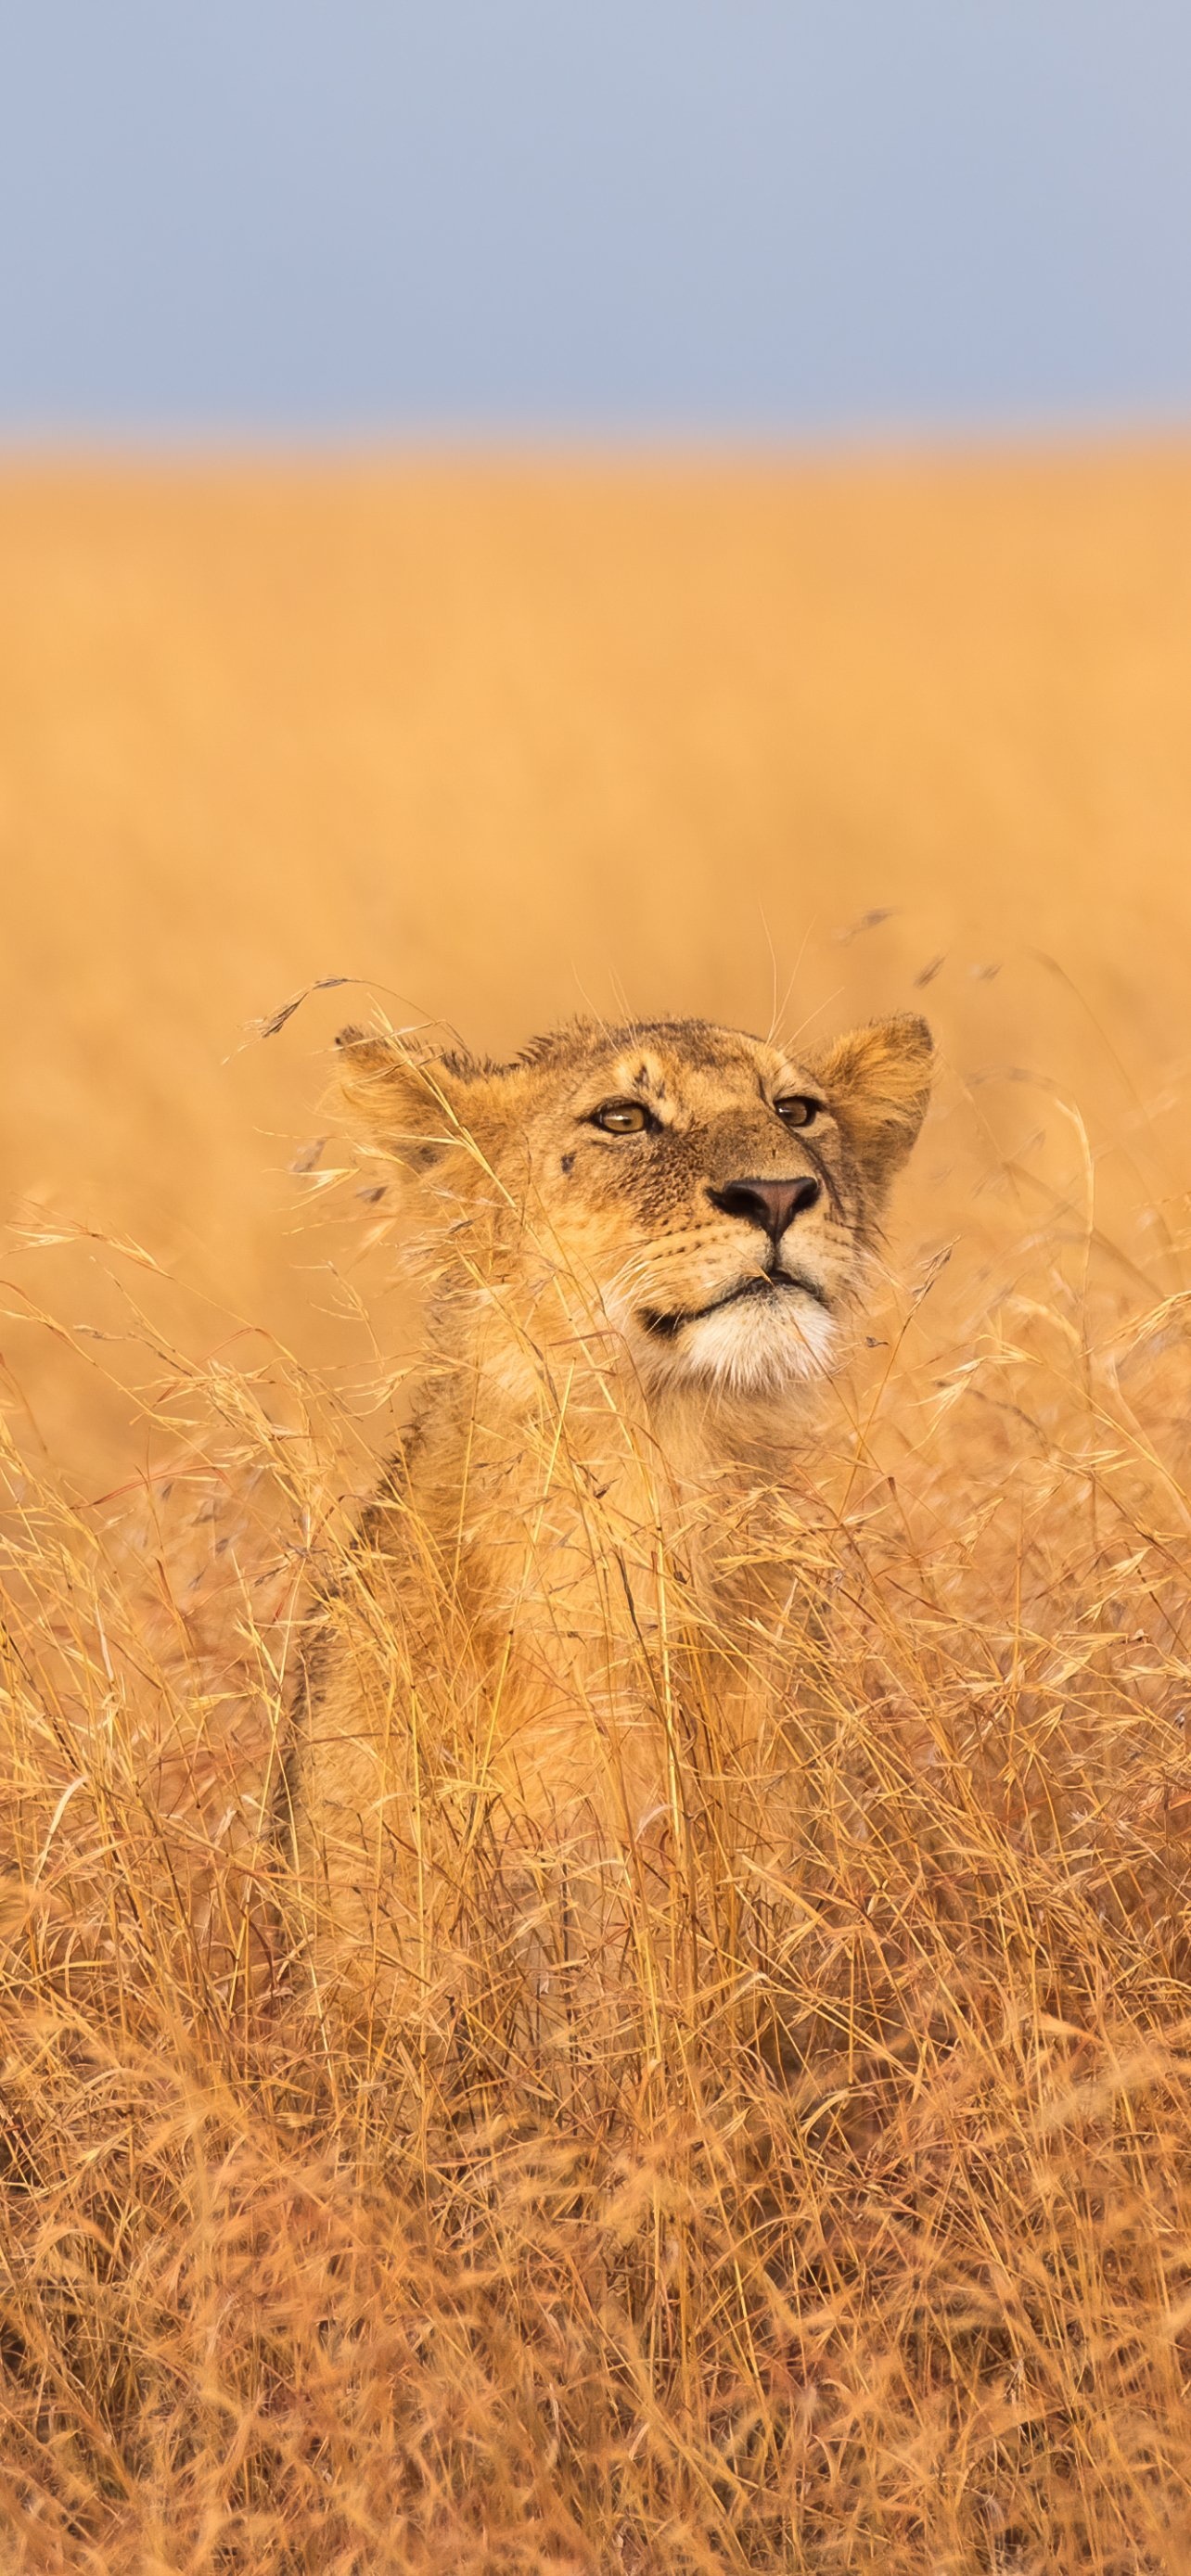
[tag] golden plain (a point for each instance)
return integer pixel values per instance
(849, 2226)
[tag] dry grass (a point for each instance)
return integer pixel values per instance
(850, 2225)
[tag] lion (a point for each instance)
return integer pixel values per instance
(645, 1245)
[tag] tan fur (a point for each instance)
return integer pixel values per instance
(503, 1664)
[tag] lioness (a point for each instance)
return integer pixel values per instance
(645, 1242)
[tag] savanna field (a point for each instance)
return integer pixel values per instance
(852, 2230)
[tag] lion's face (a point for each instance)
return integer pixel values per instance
(708, 1198)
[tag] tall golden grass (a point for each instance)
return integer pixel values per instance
(849, 2225)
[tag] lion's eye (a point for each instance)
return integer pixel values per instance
(621, 1118)
(797, 1110)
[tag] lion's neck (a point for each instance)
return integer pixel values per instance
(586, 1540)
(526, 1457)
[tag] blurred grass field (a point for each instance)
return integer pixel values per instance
(504, 741)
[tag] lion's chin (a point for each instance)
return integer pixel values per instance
(755, 1346)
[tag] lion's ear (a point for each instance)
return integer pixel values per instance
(878, 1082)
(404, 1102)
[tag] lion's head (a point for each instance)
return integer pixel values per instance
(709, 1199)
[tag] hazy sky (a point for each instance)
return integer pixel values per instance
(319, 217)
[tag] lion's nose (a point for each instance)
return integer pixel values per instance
(773, 1205)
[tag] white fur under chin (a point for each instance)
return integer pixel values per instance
(758, 1346)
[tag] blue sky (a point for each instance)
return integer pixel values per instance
(775, 218)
